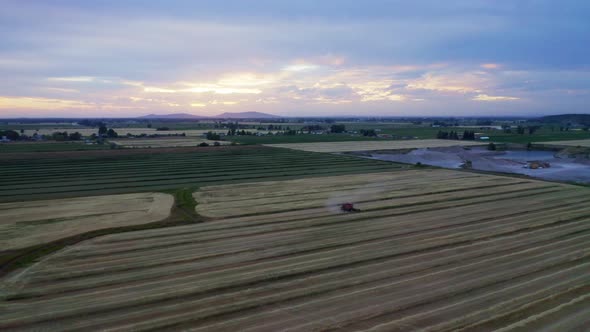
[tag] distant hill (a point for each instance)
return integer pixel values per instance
(227, 115)
(581, 119)
(246, 115)
(172, 116)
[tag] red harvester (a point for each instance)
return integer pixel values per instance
(348, 207)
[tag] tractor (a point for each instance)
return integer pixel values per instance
(348, 207)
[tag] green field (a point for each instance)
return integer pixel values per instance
(543, 134)
(547, 132)
(74, 176)
(419, 132)
(48, 147)
(302, 138)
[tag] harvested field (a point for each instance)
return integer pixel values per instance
(162, 142)
(582, 142)
(128, 171)
(432, 249)
(24, 224)
(374, 145)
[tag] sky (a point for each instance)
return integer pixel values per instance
(117, 58)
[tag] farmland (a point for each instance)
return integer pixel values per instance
(48, 147)
(431, 249)
(374, 145)
(125, 131)
(582, 143)
(162, 142)
(31, 223)
(300, 138)
(57, 175)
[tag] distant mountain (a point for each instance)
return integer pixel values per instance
(580, 119)
(172, 116)
(227, 115)
(246, 115)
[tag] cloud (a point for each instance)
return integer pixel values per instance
(40, 103)
(484, 97)
(158, 90)
(490, 65)
(363, 57)
(301, 67)
(457, 83)
(84, 79)
(64, 90)
(220, 90)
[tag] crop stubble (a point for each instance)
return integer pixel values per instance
(431, 249)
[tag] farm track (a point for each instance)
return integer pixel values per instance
(86, 176)
(431, 250)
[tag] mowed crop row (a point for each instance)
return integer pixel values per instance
(24, 224)
(374, 145)
(431, 249)
(76, 176)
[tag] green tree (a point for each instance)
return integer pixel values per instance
(212, 136)
(443, 135)
(368, 132)
(10, 134)
(60, 136)
(111, 133)
(338, 128)
(102, 129)
(75, 136)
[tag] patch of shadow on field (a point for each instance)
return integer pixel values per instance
(182, 213)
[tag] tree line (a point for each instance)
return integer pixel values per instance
(467, 135)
